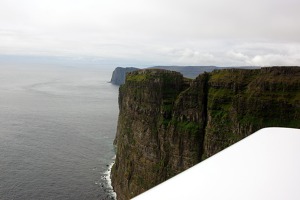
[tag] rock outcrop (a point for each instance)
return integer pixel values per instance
(168, 123)
(119, 74)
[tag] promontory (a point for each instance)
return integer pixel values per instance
(168, 123)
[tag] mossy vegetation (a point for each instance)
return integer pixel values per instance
(189, 127)
(136, 77)
(243, 101)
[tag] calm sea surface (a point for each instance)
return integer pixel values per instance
(57, 126)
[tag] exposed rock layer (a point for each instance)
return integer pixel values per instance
(168, 123)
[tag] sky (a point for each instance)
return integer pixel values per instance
(153, 32)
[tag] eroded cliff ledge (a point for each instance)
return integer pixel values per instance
(168, 123)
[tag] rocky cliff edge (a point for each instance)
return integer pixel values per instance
(168, 123)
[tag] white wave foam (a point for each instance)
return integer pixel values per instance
(107, 178)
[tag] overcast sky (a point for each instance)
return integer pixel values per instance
(153, 32)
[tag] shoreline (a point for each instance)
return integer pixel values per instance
(107, 178)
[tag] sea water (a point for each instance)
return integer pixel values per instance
(57, 126)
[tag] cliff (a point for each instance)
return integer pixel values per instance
(188, 71)
(168, 123)
(119, 74)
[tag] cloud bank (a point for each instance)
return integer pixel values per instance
(193, 32)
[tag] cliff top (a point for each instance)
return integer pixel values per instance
(153, 71)
(149, 74)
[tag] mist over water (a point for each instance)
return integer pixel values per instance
(57, 126)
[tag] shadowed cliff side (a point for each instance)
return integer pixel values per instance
(146, 100)
(241, 102)
(168, 123)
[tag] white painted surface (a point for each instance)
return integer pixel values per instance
(265, 165)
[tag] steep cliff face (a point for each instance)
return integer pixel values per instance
(146, 103)
(241, 102)
(168, 123)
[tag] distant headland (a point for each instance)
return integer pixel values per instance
(118, 76)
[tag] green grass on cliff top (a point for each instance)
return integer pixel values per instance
(137, 77)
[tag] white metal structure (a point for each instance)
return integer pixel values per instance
(263, 166)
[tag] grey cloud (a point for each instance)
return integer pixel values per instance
(216, 32)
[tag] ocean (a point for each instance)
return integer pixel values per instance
(57, 126)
